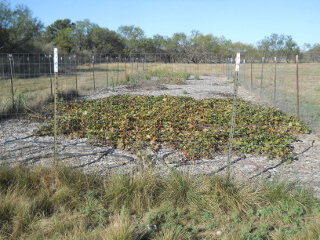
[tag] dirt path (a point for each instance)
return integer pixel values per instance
(19, 145)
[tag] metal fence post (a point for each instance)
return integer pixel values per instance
(234, 112)
(50, 69)
(2, 64)
(75, 71)
(11, 81)
(29, 67)
(118, 69)
(226, 68)
(244, 72)
(93, 77)
(275, 82)
(297, 83)
(137, 60)
(125, 68)
(251, 75)
(261, 81)
(107, 71)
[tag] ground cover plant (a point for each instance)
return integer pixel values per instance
(59, 203)
(198, 128)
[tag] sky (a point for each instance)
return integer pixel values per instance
(247, 21)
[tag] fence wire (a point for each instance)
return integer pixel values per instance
(292, 86)
(27, 79)
(27, 86)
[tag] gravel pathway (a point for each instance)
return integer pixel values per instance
(19, 145)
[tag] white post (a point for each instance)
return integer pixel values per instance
(55, 67)
(55, 60)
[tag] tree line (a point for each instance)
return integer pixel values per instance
(21, 32)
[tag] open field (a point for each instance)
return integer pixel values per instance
(32, 92)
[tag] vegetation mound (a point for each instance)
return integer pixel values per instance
(198, 128)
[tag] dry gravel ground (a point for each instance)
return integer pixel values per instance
(19, 145)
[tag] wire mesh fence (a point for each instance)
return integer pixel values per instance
(292, 85)
(122, 126)
(28, 85)
(27, 79)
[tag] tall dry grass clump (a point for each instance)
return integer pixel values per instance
(137, 192)
(57, 202)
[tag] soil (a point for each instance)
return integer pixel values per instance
(18, 144)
